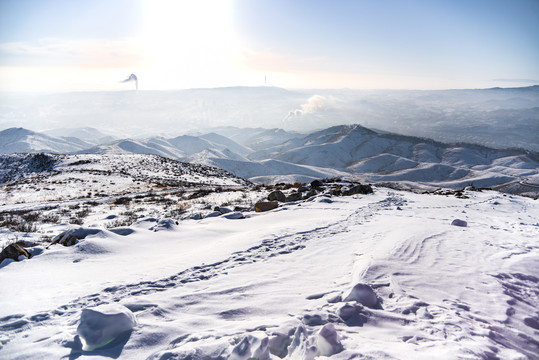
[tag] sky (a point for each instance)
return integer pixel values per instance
(92, 45)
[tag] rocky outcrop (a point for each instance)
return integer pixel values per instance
(358, 189)
(294, 197)
(363, 294)
(263, 206)
(277, 195)
(13, 251)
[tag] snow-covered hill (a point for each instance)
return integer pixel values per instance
(346, 150)
(387, 157)
(390, 275)
(19, 140)
(47, 177)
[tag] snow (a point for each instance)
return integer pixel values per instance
(101, 325)
(290, 281)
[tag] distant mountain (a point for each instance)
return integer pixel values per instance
(388, 157)
(19, 140)
(87, 134)
(255, 138)
(185, 148)
(339, 151)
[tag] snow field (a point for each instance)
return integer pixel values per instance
(220, 287)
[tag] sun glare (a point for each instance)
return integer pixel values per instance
(188, 41)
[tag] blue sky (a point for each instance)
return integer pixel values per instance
(61, 45)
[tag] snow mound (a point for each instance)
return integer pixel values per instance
(70, 237)
(327, 341)
(165, 224)
(302, 347)
(103, 324)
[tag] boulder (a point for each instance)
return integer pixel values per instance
(310, 194)
(277, 195)
(303, 189)
(358, 189)
(278, 344)
(335, 192)
(13, 251)
(316, 184)
(72, 236)
(294, 197)
(353, 315)
(458, 222)
(364, 295)
(262, 206)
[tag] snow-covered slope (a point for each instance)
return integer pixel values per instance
(380, 276)
(46, 177)
(388, 157)
(19, 140)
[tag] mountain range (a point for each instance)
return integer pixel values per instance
(274, 155)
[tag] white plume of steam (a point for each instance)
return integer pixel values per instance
(314, 103)
(132, 77)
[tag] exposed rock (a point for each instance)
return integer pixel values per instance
(358, 189)
(313, 320)
(335, 192)
(364, 295)
(72, 236)
(316, 184)
(294, 197)
(303, 189)
(277, 195)
(458, 222)
(353, 315)
(262, 206)
(13, 251)
(310, 194)
(278, 344)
